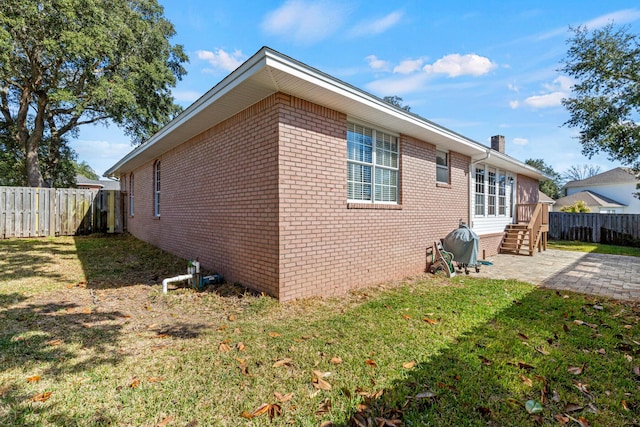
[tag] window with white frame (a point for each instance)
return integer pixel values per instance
(156, 188)
(480, 191)
(502, 193)
(493, 187)
(131, 196)
(491, 192)
(442, 166)
(372, 165)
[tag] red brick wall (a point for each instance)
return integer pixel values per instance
(261, 199)
(327, 247)
(219, 199)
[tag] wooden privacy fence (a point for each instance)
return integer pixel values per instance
(40, 212)
(620, 229)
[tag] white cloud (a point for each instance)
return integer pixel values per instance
(455, 65)
(620, 17)
(520, 141)
(408, 66)
(378, 26)
(514, 104)
(513, 87)
(186, 95)
(556, 91)
(377, 64)
(553, 99)
(220, 59)
(305, 21)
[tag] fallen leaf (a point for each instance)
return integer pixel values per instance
(231, 318)
(523, 336)
(583, 388)
(526, 381)
(283, 397)
(324, 407)
(282, 362)
(336, 360)
(573, 407)
(318, 382)
(266, 408)
(34, 379)
(371, 362)
(327, 424)
(155, 379)
(42, 397)
(625, 405)
(86, 310)
(541, 350)
(532, 406)
(54, 343)
(430, 321)
(601, 351)
(244, 368)
(274, 334)
(221, 327)
(576, 370)
(223, 347)
(598, 307)
(562, 419)
(636, 370)
(165, 422)
(447, 386)
(409, 365)
(406, 316)
(485, 361)
(525, 366)
(135, 382)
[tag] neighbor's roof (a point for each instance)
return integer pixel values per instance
(590, 199)
(543, 198)
(613, 176)
(268, 72)
(104, 184)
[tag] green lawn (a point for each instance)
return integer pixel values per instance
(597, 248)
(88, 339)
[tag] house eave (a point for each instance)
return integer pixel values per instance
(268, 72)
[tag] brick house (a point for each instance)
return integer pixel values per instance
(291, 182)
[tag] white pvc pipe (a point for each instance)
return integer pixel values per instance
(165, 282)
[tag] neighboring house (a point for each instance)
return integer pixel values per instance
(94, 184)
(294, 183)
(608, 192)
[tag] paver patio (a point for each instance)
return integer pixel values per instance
(614, 276)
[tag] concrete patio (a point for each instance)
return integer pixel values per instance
(613, 276)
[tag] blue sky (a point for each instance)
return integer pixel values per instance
(478, 68)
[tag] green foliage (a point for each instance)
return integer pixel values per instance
(605, 102)
(577, 207)
(552, 186)
(65, 63)
(84, 169)
(396, 101)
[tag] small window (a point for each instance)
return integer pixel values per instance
(156, 189)
(480, 191)
(442, 166)
(131, 207)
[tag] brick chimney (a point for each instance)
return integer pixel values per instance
(497, 143)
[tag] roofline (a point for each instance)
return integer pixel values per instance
(267, 57)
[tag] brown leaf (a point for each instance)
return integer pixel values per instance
(636, 370)
(240, 346)
(223, 347)
(221, 327)
(244, 368)
(625, 405)
(601, 351)
(565, 328)
(541, 350)
(526, 366)
(327, 424)
(324, 407)
(583, 388)
(562, 419)
(430, 321)
(262, 409)
(523, 336)
(247, 415)
(447, 386)
(54, 343)
(526, 381)
(155, 379)
(274, 334)
(34, 379)
(371, 362)
(409, 365)
(485, 361)
(231, 318)
(135, 382)
(406, 316)
(320, 384)
(576, 370)
(283, 397)
(165, 422)
(86, 310)
(573, 407)
(336, 360)
(42, 397)
(282, 362)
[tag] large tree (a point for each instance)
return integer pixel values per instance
(66, 63)
(550, 187)
(605, 101)
(580, 172)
